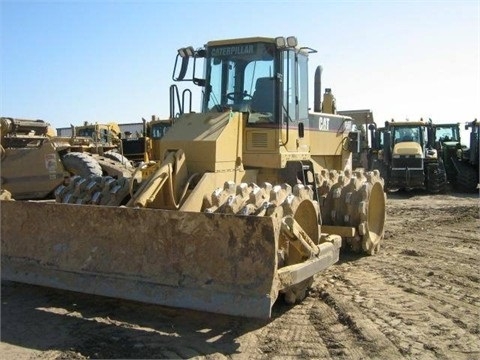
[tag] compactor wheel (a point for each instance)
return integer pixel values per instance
(290, 207)
(357, 199)
(5, 195)
(94, 190)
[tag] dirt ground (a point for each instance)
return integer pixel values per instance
(418, 299)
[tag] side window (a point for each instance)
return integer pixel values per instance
(289, 85)
(302, 87)
(380, 139)
(295, 85)
(215, 83)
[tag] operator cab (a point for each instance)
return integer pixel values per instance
(258, 76)
(264, 77)
(241, 77)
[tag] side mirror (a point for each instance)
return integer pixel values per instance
(183, 68)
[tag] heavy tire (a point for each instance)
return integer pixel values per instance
(356, 200)
(436, 178)
(113, 155)
(467, 178)
(81, 164)
(279, 202)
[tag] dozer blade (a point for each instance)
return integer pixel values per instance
(211, 262)
(217, 263)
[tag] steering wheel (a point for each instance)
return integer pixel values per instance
(232, 95)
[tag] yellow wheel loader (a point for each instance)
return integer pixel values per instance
(251, 197)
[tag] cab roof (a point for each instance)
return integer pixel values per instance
(241, 41)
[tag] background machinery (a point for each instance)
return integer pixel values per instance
(461, 163)
(35, 162)
(105, 136)
(250, 198)
(144, 148)
(409, 157)
(362, 121)
(472, 155)
(375, 151)
(102, 139)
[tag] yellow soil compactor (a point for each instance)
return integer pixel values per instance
(249, 199)
(34, 161)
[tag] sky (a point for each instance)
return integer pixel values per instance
(67, 62)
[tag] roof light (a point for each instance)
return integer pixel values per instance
(181, 52)
(292, 41)
(186, 52)
(280, 42)
(189, 50)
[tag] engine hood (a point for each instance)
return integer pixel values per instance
(407, 148)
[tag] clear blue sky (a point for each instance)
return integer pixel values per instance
(72, 61)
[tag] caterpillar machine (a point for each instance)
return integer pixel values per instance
(35, 162)
(252, 198)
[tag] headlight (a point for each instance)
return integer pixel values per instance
(431, 154)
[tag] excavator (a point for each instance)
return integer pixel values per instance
(251, 198)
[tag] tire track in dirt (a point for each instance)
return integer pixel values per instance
(322, 326)
(421, 292)
(369, 341)
(405, 318)
(291, 333)
(448, 286)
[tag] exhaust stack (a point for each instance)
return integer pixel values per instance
(317, 94)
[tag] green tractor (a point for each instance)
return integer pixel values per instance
(461, 162)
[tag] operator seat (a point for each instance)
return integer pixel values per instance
(263, 97)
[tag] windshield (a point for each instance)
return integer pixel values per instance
(408, 133)
(447, 133)
(86, 132)
(241, 77)
(159, 130)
